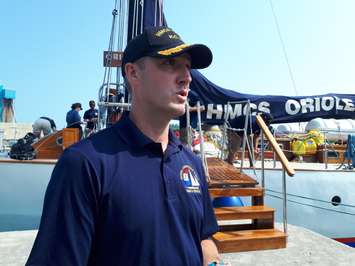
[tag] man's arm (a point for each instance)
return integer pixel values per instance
(77, 118)
(210, 226)
(210, 252)
(86, 116)
(70, 208)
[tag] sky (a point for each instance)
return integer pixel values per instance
(51, 51)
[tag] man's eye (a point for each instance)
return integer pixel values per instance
(169, 62)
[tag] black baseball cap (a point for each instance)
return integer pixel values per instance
(163, 42)
(76, 105)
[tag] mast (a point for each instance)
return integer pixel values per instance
(112, 94)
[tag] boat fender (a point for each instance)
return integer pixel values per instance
(316, 136)
(304, 147)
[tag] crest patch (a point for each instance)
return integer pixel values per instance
(190, 180)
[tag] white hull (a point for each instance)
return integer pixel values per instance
(310, 192)
(23, 185)
(309, 196)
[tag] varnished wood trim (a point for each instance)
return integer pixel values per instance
(34, 161)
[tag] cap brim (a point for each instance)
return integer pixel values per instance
(201, 55)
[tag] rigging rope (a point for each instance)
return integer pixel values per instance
(161, 17)
(283, 47)
(155, 12)
(121, 36)
(142, 17)
(104, 90)
(135, 19)
(110, 49)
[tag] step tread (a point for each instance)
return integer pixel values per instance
(244, 212)
(248, 240)
(236, 191)
(243, 209)
(248, 235)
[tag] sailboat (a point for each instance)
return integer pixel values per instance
(318, 198)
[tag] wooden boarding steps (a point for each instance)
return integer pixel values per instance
(258, 233)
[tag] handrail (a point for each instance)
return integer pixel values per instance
(285, 163)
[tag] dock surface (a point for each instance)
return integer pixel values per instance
(304, 247)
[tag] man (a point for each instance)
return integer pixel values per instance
(73, 118)
(90, 117)
(192, 101)
(235, 138)
(234, 143)
(132, 194)
(44, 125)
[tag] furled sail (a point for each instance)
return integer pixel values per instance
(283, 109)
(144, 14)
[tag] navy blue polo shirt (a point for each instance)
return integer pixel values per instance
(116, 199)
(73, 118)
(89, 114)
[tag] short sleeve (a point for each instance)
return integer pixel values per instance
(70, 209)
(77, 117)
(86, 115)
(210, 225)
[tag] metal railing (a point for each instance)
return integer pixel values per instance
(286, 167)
(247, 125)
(326, 148)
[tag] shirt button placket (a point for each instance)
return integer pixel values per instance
(170, 191)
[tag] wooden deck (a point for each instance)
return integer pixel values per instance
(222, 173)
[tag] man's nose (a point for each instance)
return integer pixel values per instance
(185, 76)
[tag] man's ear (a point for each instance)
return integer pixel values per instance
(131, 71)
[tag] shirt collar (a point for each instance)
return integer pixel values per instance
(132, 135)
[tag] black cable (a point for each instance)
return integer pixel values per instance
(310, 205)
(304, 197)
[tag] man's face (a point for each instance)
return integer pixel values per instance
(162, 85)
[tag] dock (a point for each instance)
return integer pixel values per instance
(304, 247)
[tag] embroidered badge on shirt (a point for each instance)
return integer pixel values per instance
(190, 180)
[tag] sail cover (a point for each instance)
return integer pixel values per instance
(283, 109)
(221, 103)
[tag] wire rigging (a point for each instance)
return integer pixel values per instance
(309, 198)
(283, 47)
(311, 205)
(142, 19)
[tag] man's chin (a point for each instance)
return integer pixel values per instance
(177, 110)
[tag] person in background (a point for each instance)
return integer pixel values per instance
(114, 113)
(192, 100)
(90, 117)
(73, 118)
(234, 144)
(253, 131)
(43, 125)
(133, 194)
